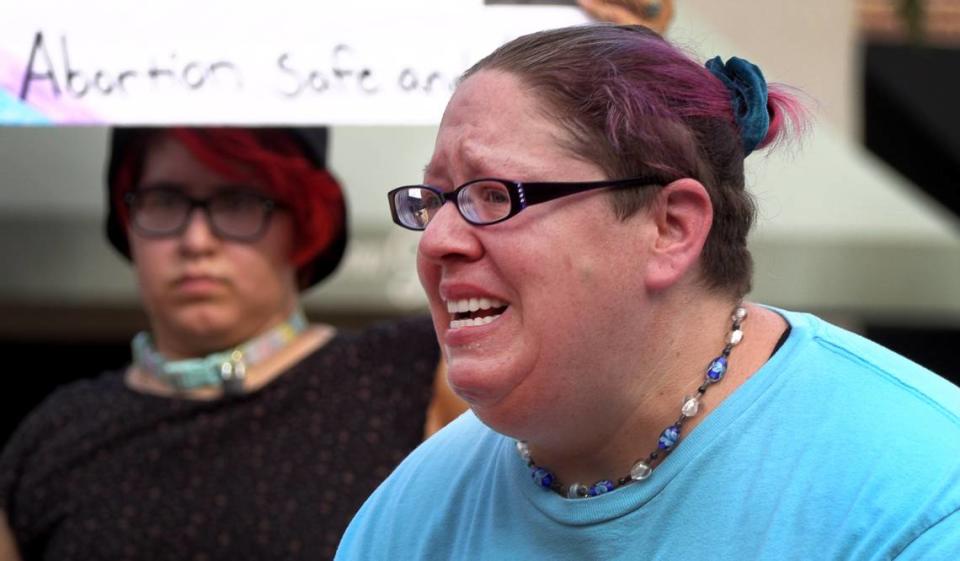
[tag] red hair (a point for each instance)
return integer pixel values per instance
(271, 157)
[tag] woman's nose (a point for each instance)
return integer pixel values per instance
(449, 236)
(198, 234)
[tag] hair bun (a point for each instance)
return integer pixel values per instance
(748, 95)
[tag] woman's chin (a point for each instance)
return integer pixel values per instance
(478, 384)
(205, 333)
(494, 394)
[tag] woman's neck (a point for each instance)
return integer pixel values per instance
(241, 367)
(175, 342)
(608, 438)
(257, 376)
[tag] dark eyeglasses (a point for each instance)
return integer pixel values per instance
(233, 214)
(489, 200)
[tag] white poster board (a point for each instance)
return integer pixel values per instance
(222, 62)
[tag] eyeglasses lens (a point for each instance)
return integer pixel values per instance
(160, 211)
(233, 214)
(484, 202)
(239, 215)
(416, 206)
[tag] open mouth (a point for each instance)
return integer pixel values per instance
(471, 312)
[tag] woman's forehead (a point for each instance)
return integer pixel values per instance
(468, 160)
(492, 126)
(169, 162)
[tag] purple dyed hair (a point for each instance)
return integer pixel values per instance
(635, 104)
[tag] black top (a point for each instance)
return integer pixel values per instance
(99, 471)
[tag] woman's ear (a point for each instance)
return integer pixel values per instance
(682, 215)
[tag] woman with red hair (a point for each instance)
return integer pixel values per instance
(240, 431)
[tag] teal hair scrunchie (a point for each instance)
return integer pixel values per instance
(748, 93)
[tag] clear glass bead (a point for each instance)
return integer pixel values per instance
(640, 471)
(576, 491)
(523, 450)
(739, 314)
(735, 337)
(691, 406)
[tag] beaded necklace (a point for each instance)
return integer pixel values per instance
(669, 438)
(226, 369)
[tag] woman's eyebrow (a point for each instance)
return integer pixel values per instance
(433, 170)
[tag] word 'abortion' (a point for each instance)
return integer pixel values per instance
(47, 74)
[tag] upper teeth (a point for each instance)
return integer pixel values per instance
(473, 304)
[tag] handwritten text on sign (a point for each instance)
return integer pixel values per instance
(366, 72)
(52, 69)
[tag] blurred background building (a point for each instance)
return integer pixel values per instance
(859, 222)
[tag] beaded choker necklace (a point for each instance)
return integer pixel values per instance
(669, 438)
(226, 369)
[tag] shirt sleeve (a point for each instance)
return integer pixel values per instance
(349, 547)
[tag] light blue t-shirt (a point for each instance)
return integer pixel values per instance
(835, 449)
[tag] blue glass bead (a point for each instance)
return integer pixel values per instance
(717, 369)
(601, 487)
(542, 477)
(669, 437)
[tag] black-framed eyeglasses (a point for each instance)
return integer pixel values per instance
(490, 200)
(233, 214)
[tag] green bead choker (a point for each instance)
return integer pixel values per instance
(225, 369)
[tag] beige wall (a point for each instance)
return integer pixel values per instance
(808, 44)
